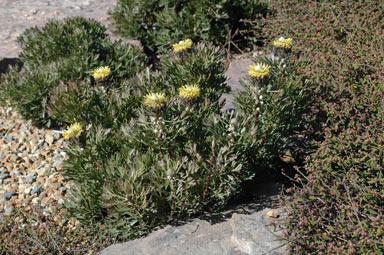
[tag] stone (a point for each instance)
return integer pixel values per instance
(8, 209)
(36, 200)
(30, 179)
(240, 234)
(27, 190)
(272, 214)
(36, 189)
(4, 176)
(7, 196)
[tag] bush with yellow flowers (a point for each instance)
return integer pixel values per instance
(173, 158)
(271, 110)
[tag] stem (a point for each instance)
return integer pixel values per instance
(207, 185)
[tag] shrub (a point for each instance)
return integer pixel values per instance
(179, 155)
(64, 52)
(272, 112)
(339, 208)
(157, 23)
(170, 161)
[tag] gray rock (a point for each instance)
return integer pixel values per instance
(250, 234)
(254, 234)
(2, 155)
(8, 138)
(36, 189)
(4, 171)
(30, 179)
(8, 195)
(57, 162)
(4, 176)
(7, 210)
(16, 172)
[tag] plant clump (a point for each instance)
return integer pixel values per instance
(156, 23)
(56, 57)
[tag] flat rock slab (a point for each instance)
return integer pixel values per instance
(237, 70)
(242, 234)
(242, 230)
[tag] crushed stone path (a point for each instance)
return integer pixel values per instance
(18, 15)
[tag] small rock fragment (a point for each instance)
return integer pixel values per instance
(272, 214)
(7, 196)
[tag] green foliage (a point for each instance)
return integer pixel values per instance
(164, 164)
(158, 24)
(271, 115)
(337, 207)
(64, 52)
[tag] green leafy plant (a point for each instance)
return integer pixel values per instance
(64, 52)
(168, 162)
(271, 111)
(157, 23)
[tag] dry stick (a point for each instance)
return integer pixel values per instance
(207, 185)
(37, 242)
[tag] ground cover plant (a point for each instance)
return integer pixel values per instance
(61, 57)
(35, 232)
(157, 23)
(338, 206)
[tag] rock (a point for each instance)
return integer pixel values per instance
(240, 235)
(4, 176)
(27, 190)
(58, 164)
(253, 234)
(8, 209)
(272, 214)
(35, 200)
(30, 179)
(36, 190)
(8, 138)
(7, 196)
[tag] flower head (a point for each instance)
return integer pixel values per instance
(101, 72)
(182, 45)
(189, 92)
(259, 70)
(283, 43)
(154, 100)
(73, 131)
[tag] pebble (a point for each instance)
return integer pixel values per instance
(272, 214)
(30, 179)
(7, 196)
(8, 209)
(29, 163)
(4, 176)
(36, 190)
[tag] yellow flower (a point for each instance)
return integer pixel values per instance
(182, 45)
(189, 92)
(101, 72)
(73, 131)
(154, 100)
(283, 43)
(259, 70)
